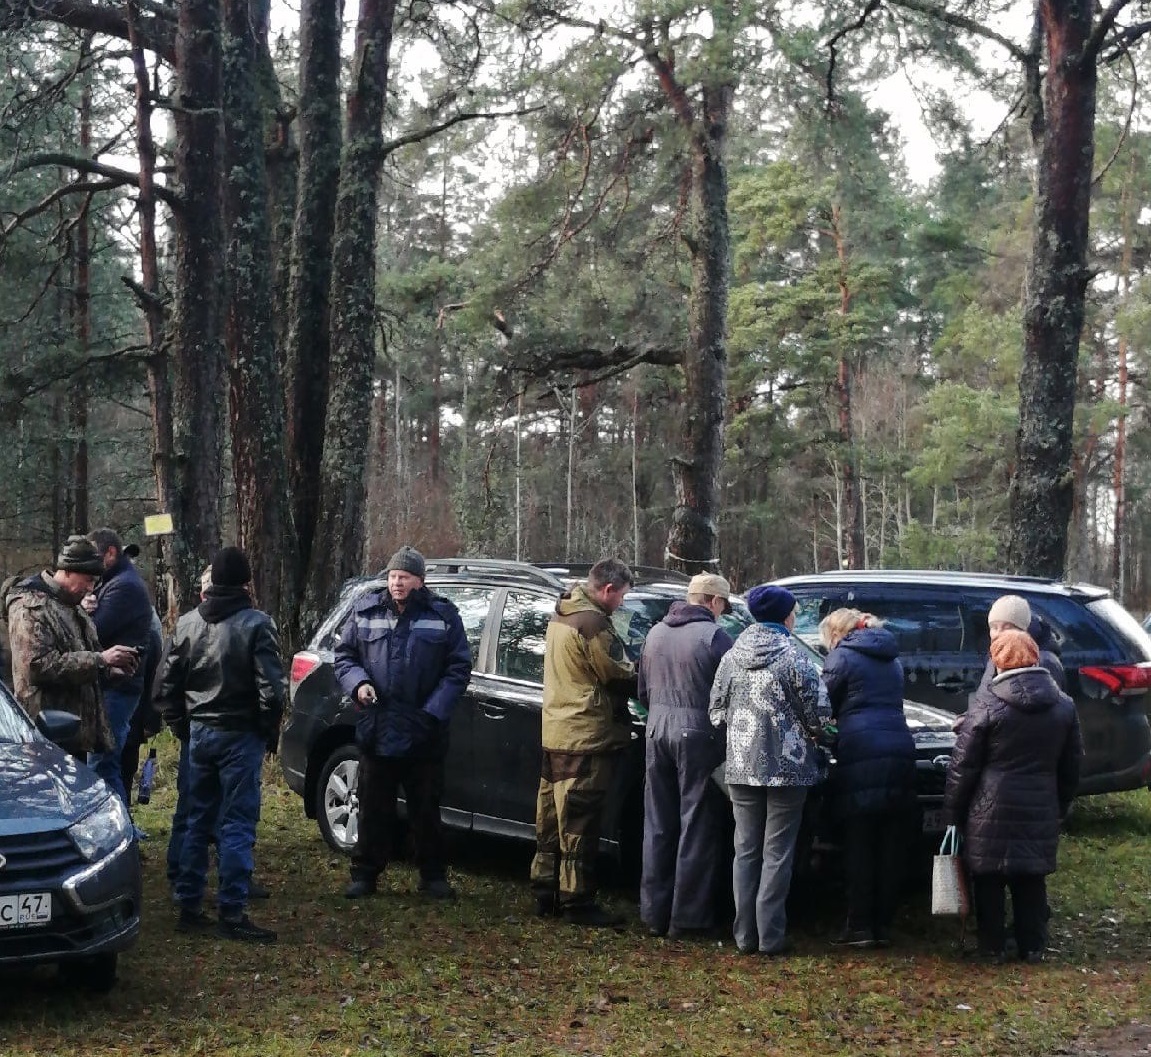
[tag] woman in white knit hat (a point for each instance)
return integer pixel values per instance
(1012, 613)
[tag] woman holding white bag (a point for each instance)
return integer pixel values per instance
(1012, 775)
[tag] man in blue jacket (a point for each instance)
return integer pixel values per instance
(404, 660)
(122, 613)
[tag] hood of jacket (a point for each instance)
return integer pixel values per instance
(1026, 689)
(577, 600)
(39, 583)
(874, 642)
(682, 613)
(760, 646)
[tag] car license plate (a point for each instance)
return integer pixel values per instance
(933, 820)
(32, 908)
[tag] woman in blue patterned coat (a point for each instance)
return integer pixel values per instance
(873, 789)
(767, 691)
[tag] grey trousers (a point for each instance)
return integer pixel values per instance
(767, 820)
(680, 831)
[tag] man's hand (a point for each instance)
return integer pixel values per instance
(121, 660)
(89, 603)
(366, 695)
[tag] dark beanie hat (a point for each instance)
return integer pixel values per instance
(407, 560)
(79, 555)
(230, 568)
(770, 604)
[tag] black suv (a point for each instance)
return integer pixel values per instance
(493, 766)
(940, 620)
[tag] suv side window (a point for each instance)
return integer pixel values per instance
(474, 604)
(1076, 634)
(922, 625)
(520, 647)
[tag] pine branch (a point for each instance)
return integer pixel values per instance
(120, 177)
(157, 32)
(419, 135)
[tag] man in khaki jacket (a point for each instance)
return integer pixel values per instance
(587, 681)
(56, 657)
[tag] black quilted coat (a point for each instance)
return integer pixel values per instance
(1013, 773)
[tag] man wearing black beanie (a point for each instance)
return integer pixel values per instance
(223, 682)
(404, 659)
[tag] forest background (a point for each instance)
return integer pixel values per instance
(549, 281)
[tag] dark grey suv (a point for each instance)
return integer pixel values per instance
(940, 620)
(69, 862)
(492, 773)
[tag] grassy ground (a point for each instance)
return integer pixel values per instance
(398, 975)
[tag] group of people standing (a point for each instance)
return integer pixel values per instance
(85, 638)
(759, 705)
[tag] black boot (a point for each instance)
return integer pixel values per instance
(245, 929)
(360, 888)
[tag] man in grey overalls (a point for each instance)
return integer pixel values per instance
(681, 831)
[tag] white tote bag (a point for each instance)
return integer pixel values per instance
(948, 882)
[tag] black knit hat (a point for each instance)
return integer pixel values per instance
(79, 555)
(407, 560)
(230, 568)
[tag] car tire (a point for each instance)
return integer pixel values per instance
(337, 805)
(96, 974)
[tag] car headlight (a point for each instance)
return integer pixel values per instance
(102, 830)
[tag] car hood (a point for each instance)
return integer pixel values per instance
(930, 727)
(43, 788)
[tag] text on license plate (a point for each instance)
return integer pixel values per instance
(933, 820)
(31, 908)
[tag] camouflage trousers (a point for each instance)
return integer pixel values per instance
(569, 809)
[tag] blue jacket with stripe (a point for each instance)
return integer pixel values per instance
(419, 663)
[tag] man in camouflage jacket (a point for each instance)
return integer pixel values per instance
(56, 657)
(587, 681)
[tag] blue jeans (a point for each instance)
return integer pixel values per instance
(120, 707)
(180, 817)
(223, 797)
(767, 820)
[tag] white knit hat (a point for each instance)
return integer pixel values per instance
(1011, 609)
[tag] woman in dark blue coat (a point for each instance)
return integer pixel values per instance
(873, 788)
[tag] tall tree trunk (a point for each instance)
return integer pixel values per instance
(1119, 471)
(148, 293)
(309, 341)
(1041, 494)
(197, 324)
(340, 517)
(693, 538)
(256, 404)
(82, 310)
(852, 501)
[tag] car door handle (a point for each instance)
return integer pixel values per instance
(490, 711)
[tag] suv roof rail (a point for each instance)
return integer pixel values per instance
(933, 574)
(497, 566)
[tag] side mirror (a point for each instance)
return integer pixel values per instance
(58, 726)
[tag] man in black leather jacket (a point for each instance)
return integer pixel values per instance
(223, 681)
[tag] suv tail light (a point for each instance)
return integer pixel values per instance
(303, 664)
(1121, 679)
